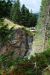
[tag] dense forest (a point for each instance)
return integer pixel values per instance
(17, 14)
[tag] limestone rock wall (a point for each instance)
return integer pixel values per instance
(42, 37)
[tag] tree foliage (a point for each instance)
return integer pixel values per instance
(22, 15)
(33, 66)
(16, 13)
(5, 8)
(5, 33)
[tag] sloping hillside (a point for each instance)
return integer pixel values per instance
(11, 24)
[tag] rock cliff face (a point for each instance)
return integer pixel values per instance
(43, 29)
(20, 44)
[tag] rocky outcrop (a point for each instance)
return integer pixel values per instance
(42, 37)
(20, 44)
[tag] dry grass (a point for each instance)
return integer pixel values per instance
(11, 24)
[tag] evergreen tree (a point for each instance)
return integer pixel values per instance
(25, 18)
(5, 8)
(11, 12)
(8, 8)
(16, 12)
(28, 19)
(33, 19)
(23, 12)
(2, 8)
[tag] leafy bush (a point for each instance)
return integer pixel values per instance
(47, 55)
(5, 33)
(32, 66)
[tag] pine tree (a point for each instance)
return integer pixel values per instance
(16, 12)
(28, 19)
(11, 12)
(8, 8)
(5, 8)
(23, 12)
(25, 16)
(2, 8)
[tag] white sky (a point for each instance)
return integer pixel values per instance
(33, 5)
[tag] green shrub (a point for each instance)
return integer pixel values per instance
(47, 55)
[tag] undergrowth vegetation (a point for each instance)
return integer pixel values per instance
(24, 66)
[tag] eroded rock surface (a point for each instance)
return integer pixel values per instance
(20, 44)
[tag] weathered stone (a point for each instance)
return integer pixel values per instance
(42, 37)
(19, 44)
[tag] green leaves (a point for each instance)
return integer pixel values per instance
(26, 65)
(5, 34)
